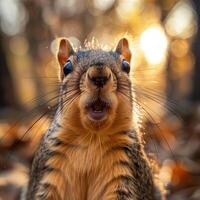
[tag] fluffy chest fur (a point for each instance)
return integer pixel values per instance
(88, 167)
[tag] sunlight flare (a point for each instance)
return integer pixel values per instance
(154, 43)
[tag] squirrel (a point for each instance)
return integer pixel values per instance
(91, 150)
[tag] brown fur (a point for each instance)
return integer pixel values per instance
(83, 159)
(92, 167)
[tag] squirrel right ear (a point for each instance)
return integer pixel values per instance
(123, 49)
(65, 50)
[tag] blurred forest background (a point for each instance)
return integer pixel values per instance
(165, 42)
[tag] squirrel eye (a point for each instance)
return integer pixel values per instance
(68, 68)
(125, 66)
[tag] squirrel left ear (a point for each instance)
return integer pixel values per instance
(65, 50)
(123, 49)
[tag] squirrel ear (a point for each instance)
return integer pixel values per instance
(123, 49)
(64, 51)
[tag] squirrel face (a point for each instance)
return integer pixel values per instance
(96, 87)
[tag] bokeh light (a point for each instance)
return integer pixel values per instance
(181, 20)
(103, 4)
(154, 43)
(162, 37)
(13, 19)
(126, 8)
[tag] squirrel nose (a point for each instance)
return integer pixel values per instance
(99, 81)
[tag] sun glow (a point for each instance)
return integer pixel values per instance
(154, 43)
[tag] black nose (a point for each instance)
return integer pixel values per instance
(99, 81)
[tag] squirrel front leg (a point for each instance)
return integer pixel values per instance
(131, 174)
(142, 185)
(46, 180)
(136, 184)
(141, 182)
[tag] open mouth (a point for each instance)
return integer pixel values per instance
(97, 110)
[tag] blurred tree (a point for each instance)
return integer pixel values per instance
(8, 97)
(171, 85)
(39, 37)
(195, 96)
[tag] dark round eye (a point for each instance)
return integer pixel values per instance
(68, 68)
(125, 66)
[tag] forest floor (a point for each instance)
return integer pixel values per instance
(175, 144)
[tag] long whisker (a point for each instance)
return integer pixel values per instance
(33, 113)
(34, 124)
(142, 105)
(155, 97)
(149, 135)
(54, 107)
(158, 127)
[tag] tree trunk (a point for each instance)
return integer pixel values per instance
(195, 95)
(8, 98)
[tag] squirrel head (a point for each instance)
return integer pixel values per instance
(96, 90)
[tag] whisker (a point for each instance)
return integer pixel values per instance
(155, 97)
(158, 127)
(36, 121)
(169, 106)
(151, 119)
(34, 124)
(33, 112)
